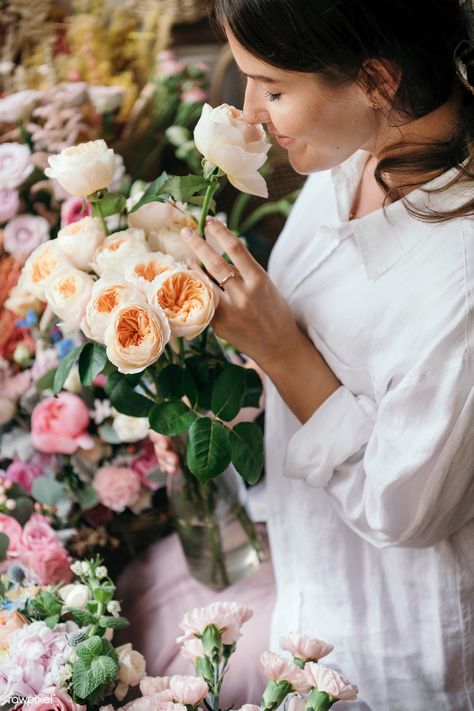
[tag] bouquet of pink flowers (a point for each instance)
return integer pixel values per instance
(210, 637)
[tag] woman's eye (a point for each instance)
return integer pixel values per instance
(272, 97)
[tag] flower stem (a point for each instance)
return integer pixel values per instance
(97, 211)
(211, 189)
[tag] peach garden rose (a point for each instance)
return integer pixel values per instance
(83, 169)
(68, 294)
(108, 293)
(80, 240)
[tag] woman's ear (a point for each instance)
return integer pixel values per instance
(381, 79)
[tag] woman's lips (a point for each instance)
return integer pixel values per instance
(284, 141)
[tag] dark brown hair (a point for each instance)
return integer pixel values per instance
(335, 38)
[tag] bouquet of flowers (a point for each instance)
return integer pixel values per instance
(56, 641)
(209, 640)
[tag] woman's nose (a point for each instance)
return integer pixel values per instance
(253, 110)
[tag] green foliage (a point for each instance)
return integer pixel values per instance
(47, 491)
(152, 193)
(129, 402)
(46, 381)
(110, 204)
(114, 623)
(95, 667)
(228, 393)
(171, 418)
(65, 367)
(4, 541)
(246, 449)
(208, 452)
(92, 361)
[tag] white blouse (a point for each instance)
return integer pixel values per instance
(371, 501)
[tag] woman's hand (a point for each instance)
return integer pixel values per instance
(253, 317)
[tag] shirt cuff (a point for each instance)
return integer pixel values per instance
(338, 429)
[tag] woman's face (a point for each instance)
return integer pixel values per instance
(319, 125)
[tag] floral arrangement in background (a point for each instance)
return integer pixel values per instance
(56, 641)
(210, 638)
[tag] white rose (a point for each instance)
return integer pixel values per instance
(45, 263)
(80, 241)
(130, 429)
(83, 169)
(155, 216)
(15, 165)
(118, 249)
(106, 99)
(132, 665)
(68, 294)
(238, 148)
(75, 595)
(136, 337)
(145, 270)
(17, 107)
(108, 293)
(187, 301)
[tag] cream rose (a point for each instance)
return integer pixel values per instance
(45, 263)
(238, 148)
(136, 337)
(80, 241)
(187, 301)
(68, 294)
(130, 429)
(108, 293)
(75, 595)
(155, 216)
(118, 249)
(144, 271)
(83, 169)
(132, 665)
(18, 106)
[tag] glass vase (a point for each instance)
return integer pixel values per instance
(218, 538)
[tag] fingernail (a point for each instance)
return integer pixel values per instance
(186, 233)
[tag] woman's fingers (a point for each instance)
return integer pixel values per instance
(193, 264)
(234, 247)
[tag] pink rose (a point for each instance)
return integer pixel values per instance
(9, 204)
(23, 473)
(145, 463)
(50, 565)
(24, 233)
(15, 165)
(305, 647)
(11, 528)
(228, 617)
(194, 95)
(59, 701)
(188, 690)
(59, 424)
(72, 210)
(326, 679)
(170, 67)
(37, 534)
(117, 487)
(279, 669)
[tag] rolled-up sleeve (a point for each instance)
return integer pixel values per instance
(402, 473)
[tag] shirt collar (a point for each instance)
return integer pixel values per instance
(388, 234)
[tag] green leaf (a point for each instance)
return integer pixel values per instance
(46, 381)
(82, 617)
(87, 497)
(23, 509)
(93, 647)
(153, 191)
(171, 418)
(4, 542)
(52, 620)
(207, 453)
(169, 383)
(110, 204)
(254, 388)
(189, 387)
(47, 491)
(92, 361)
(104, 670)
(104, 594)
(199, 200)
(114, 623)
(127, 401)
(108, 434)
(183, 187)
(82, 680)
(246, 449)
(65, 368)
(228, 393)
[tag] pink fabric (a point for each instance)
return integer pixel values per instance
(156, 590)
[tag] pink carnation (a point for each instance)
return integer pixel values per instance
(326, 679)
(305, 647)
(117, 487)
(60, 701)
(72, 210)
(154, 684)
(59, 424)
(23, 473)
(279, 669)
(188, 690)
(228, 617)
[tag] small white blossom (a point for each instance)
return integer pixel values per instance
(76, 567)
(114, 608)
(101, 572)
(85, 568)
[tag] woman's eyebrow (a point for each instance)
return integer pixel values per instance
(259, 77)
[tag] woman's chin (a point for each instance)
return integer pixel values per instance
(304, 159)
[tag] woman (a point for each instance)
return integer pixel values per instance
(365, 331)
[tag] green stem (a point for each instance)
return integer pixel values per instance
(249, 529)
(100, 609)
(219, 573)
(211, 189)
(96, 208)
(237, 209)
(260, 212)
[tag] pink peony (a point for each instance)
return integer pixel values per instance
(11, 528)
(326, 679)
(24, 233)
(117, 487)
(53, 701)
(23, 473)
(188, 690)
(228, 617)
(59, 424)
(305, 647)
(50, 565)
(279, 669)
(9, 204)
(72, 210)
